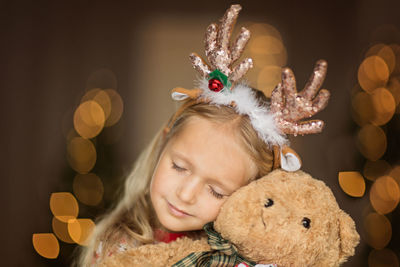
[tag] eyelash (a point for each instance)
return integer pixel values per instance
(215, 194)
(176, 167)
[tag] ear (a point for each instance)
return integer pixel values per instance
(290, 160)
(180, 93)
(349, 238)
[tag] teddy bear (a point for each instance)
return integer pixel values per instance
(281, 219)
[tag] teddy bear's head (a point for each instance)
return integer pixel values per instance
(289, 219)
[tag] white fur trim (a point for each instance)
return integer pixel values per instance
(290, 162)
(246, 104)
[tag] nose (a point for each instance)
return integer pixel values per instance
(188, 189)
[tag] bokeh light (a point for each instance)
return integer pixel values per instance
(88, 188)
(89, 119)
(89, 95)
(352, 183)
(384, 194)
(101, 97)
(378, 230)
(384, 106)
(117, 107)
(102, 78)
(362, 108)
(46, 245)
(376, 169)
(394, 88)
(81, 154)
(258, 29)
(268, 78)
(373, 73)
(80, 230)
(60, 229)
(396, 50)
(269, 56)
(371, 142)
(385, 52)
(395, 174)
(382, 258)
(64, 206)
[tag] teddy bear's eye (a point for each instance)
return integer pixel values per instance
(269, 203)
(306, 222)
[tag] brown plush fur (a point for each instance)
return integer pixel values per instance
(273, 234)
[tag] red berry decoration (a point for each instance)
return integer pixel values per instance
(215, 85)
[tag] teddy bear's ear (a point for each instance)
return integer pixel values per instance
(349, 238)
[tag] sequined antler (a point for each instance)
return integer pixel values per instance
(219, 53)
(289, 106)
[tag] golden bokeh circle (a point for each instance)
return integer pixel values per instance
(383, 258)
(266, 45)
(60, 229)
(378, 230)
(268, 78)
(384, 106)
(46, 245)
(376, 169)
(103, 99)
(362, 108)
(385, 52)
(374, 50)
(64, 206)
(89, 119)
(395, 174)
(88, 188)
(371, 142)
(394, 88)
(89, 95)
(396, 50)
(384, 194)
(81, 154)
(352, 183)
(80, 230)
(102, 78)
(267, 50)
(258, 29)
(117, 107)
(373, 73)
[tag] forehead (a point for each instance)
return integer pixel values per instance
(214, 150)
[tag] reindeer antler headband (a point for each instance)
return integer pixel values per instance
(220, 86)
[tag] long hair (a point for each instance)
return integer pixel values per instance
(134, 216)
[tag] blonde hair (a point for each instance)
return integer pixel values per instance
(133, 216)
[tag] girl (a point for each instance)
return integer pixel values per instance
(220, 140)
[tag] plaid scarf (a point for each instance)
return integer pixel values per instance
(222, 254)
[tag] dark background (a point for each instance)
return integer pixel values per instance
(48, 50)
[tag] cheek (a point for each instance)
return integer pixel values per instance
(159, 181)
(210, 209)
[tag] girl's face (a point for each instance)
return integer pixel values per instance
(197, 170)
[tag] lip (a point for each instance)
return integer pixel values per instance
(177, 212)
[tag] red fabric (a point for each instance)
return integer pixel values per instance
(166, 237)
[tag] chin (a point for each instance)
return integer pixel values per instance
(177, 226)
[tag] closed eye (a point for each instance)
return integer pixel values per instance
(215, 193)
(177, 168)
